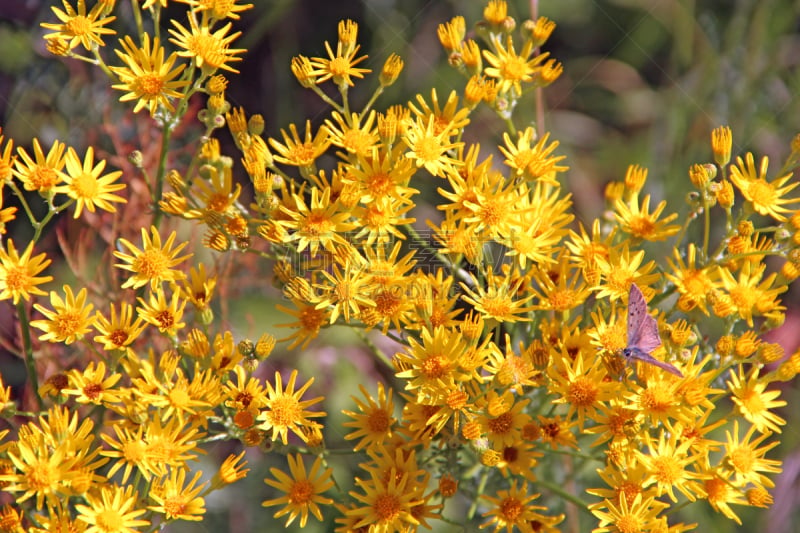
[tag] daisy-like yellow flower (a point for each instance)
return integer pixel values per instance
(694, 284)
(431, 367)
(666, 463)
(303, 491)
(746, 460)
(622, 268)
(118, 332)
(18, 273)
(84, 183)
(303, 153)
(349, 132)
(532, 161)
(512, 69)
(198, 288)
(511, 508)
(230, 471)
(147, 78)
(69, 320)
(285, 411)
(310, 318)
(152, 264)
(209, 50)
(385, 503)
(7, 159)
(766, 197)
(640, 223)
(374, 424)
(129, 450)
(176, 499)
(164, 314)
(219, 9)
(92, 385)
(498, 299)
(323, 223)
(755, 403)
(621, 516)
(345, 291)
(78, 27)
(502, 423)
(41, 172)
(749, 295)
(429, 149)
(112, 508)
(582, 384)
(341, 66)
(449, 117)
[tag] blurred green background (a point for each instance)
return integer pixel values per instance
(644, 83)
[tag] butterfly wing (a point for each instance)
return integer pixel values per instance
(642, 328)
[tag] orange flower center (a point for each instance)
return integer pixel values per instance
(78, 25)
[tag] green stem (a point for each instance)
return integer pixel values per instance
(158, 190)
(372, 100)
(557, 489)
(385, 359)
(27, 345)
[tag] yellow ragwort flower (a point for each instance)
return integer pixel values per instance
(43, 173)
(84, 183)
(79, 27)
(766, 197)
(303, 491)
(209, 50)
(147, 78)
(18, 273)
(112, 508)
(285, 411)
(69, 320)
(176, 499)
(152, 264)
(509, 68)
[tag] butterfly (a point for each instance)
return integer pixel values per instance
(643, 333)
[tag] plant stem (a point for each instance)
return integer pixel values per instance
(30, 364)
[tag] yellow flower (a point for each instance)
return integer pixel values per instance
(622, 268)
(130, 450)
(18, 274)
(498, 299)
(350, 134)
(320, 224)
(43, 173)
(767, 198)
(231, 470)
(176, 501)
(219, 9)
(310, 318)
(666, 463)
(7, 160)
(210, 50)
(163, 314)
(532, 161)
(146, 77)
(501, 424)
(84, 183)
(755, 403)
(78, 27)
(582, 384)
(152, 264)
(346, 290)
(511, 508)
(303, 153)
(384, 503)
(68, 321)
(429, 149)
(118, 332)
(112, 508)
(746, 460)
(374, 424)
(341, 66)
(92, 385)
(621, 516)
(750, 295)
(199, 287)
(510, 68)
(448, 118)
(302, 490)
(694, 284)
(285, 411)
(642, 224)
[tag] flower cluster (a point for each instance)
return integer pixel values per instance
(502, 319)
